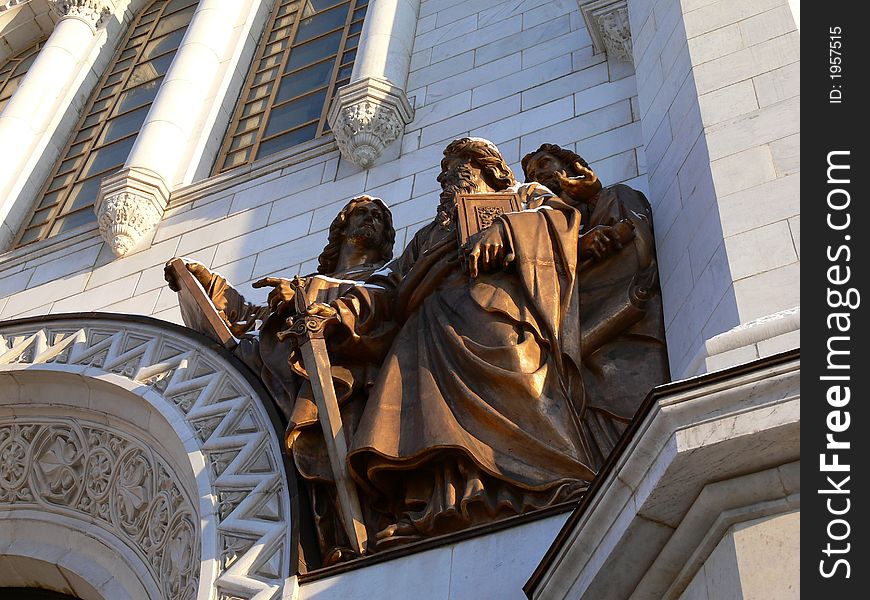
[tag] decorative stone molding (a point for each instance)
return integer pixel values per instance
(709, 453)
(130, 204)
(607, 22)
(721, 348)
(95, 473)
(92, 12)
(242, 544)
(366, 117)
(763, 328)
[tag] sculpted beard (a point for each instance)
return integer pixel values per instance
(460, 181)
(363, 236)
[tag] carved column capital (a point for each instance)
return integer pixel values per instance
(130, 204)
(366, 117)
(92, 12)
(607, 22)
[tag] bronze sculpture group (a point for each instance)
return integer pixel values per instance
(475, 379)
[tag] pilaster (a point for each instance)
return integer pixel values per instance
(371, 112)
(131, 203)
(35, 110)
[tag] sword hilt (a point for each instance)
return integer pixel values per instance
(303, 326)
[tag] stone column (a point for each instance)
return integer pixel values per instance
(132, 202)
(38, 100)
(371, 112)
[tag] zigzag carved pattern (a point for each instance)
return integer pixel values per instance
(231, 430)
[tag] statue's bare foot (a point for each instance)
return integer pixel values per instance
(338, 555)
(396, 534)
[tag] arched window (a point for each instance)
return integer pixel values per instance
(111, 120)
(306, 54)
(14, 70)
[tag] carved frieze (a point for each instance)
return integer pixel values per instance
(607, 22)
(102, 474)
(96, 473)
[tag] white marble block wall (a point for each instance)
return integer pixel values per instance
(719, 96)
(494, 566)
(518, 72)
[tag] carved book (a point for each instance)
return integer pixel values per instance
(478, 211)
(197, 309)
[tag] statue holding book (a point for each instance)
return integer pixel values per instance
(471, 378)
(474, 414)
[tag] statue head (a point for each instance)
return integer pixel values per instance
(541, 165)
(364, 222)
(472, 165)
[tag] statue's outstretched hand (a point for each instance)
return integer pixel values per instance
(282, 294)
(582, 187)
(488, 250)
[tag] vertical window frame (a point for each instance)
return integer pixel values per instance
(62, 208)
(234, 128)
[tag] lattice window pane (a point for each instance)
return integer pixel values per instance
(111, 120)
(305, 54)
(14, 70)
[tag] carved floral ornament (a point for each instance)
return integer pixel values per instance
(124, 218)
(608, 25)
(366, 117)
(92, 12)
(100, 474)
(89, 471)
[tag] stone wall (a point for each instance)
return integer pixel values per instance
(517, 72)
(757, 558)
(719, 95)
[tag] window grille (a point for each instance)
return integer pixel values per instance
(110, 121)
(306, 54)
(14, 70)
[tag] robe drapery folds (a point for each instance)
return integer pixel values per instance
(475, 410)
(624, 353)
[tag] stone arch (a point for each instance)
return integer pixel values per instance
(152, 441)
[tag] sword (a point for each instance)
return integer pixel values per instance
(308, 332)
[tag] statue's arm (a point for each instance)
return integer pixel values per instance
(239, 314)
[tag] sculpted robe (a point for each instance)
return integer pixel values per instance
(279, 366)
(474, 413)
(624, 353)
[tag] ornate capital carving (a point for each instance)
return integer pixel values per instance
(92, 12)
(607, 22)
(366, 117)
(130, 205)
